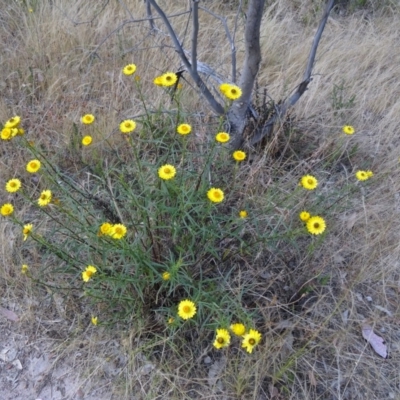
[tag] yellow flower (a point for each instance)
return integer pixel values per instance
(166, 172)
(6, 209)
(171, 320)
(166, 276)
(94, 320)
(348, 130)
(13, 185)
(24, 269)
(21, 131)
(105, 229)
(316, 225)
(88, 273)
(33, 166)
(184, 129)
(363, 175)
(129, 69)
(238, 329)
(87, 140)
(304, 216)
(158, 81)
(215, 195)
(14, 131)
(169, 78)
(45, 198)
(27, 230)
(243, 214)
(309, 182)
(232, 92)
(222, 137)
(87, 119)
(223, 339)
(13, 122)
(127, 126)
(186, 309)
(239, 155)
(250, 340)
(6, 134)
(118, 231)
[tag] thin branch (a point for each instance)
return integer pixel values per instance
(266, 129)
(230, 40)
(149, 15)
(194, 74)
(195, 15)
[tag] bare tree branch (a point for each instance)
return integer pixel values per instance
(194, 74)
(195, 33)
(237, 113)
(149, 15)
(230, 39)
(266, 129)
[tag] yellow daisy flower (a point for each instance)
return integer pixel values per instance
(158, 81)
(223, 339)
(304, 216)
(118, 231)
(348, 130)
(166, 276)
(238, 329)
(239, 155)
(6, 209)
(222, 137)
(243, 214)
(105, 229)
(169, 78)
(215, 195)
(363, 175)
(129, 69)
(316, 225)
(186, 309)
(88, 273)
(24, 269)
(6, 134)
(87, 140)
(232, 92)
(369, 173)
(13, 185)
(94, 320)
(250, 340)
(33, 166)
(127, 126)
(309, 182)
(184, 129)
(45, 198)
(87, 119)
(27, 230)
(167, 172)
(13, 122)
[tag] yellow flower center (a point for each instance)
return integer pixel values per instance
(217, 195)
(127, 125)
(220, 340)
(43, 197)
(168, 78)
(167, 170)
(118, 230)
(186, 309)
(89, 273)
(316, 225)
(310, 181)
(252, 341)
(233, 91)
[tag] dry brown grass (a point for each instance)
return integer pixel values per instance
(313, 350)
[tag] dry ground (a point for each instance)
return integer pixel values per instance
(63, 60)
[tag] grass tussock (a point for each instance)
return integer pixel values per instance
(307, 295)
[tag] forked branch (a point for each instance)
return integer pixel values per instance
(266, 129)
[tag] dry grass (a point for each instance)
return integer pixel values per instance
(56, 66)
